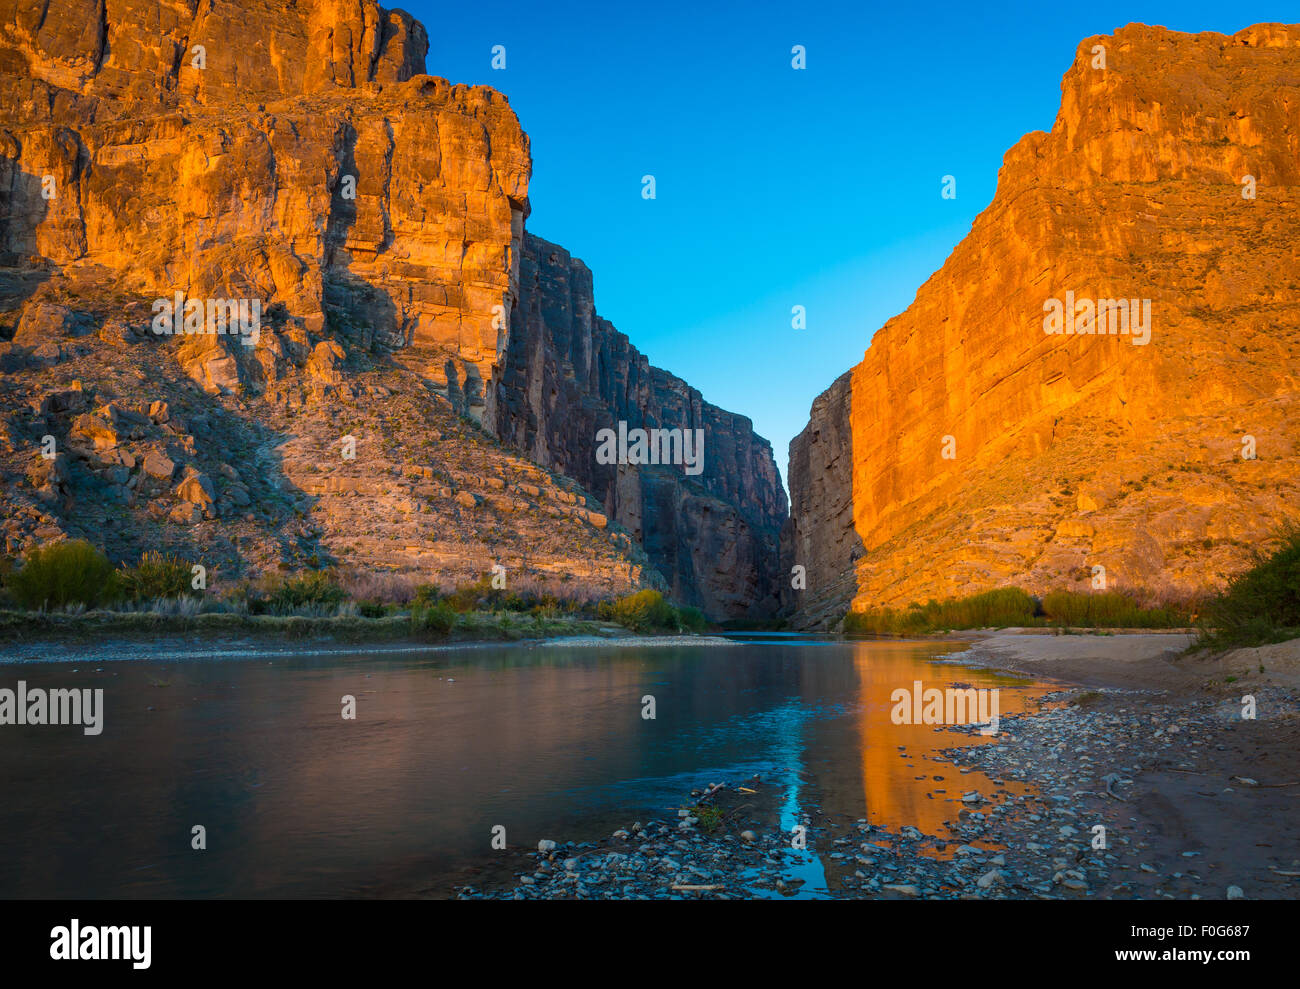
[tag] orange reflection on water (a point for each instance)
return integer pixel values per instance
(895, 755)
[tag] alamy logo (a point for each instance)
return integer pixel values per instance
(53, 707)
(1103, 317)
(77, 943)
(653, 446)
(221, 317)
(953, 706)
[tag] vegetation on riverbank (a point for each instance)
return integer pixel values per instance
(649, 611)
(1014, 608)
(471, 626)
(71, 588)
(1260, 605)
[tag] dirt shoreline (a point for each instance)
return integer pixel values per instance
(178, 644)
(1224, 791)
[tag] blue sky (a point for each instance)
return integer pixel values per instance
(775, 187)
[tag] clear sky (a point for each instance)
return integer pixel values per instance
(775, 187)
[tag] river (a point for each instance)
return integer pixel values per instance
(545, 740)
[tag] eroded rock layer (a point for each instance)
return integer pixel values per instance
(971, 449)
(567, 374)
(294, 153)
(296, 156)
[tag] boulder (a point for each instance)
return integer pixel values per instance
(196, 488)
(98, 430)
(325, 362)
(158, 465)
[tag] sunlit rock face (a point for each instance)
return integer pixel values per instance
(972, 449)
(567, 374)
(291, 152)
(296, 154)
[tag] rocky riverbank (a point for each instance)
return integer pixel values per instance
(725, 843)
(1164, 792)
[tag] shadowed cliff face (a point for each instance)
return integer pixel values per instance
(567, 374)
(297, 154)
(972, 449)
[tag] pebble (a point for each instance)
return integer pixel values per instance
(1072, 758)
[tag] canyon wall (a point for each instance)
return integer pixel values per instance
(567, 373)
(295, 153)
(971, 449)
(292, 153)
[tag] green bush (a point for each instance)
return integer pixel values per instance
(1012, 607)
(64, 573)
(1262, 604)
(691, 619)
(157, 575)
(317, 589)
(467, 597)
(642, 611)
(426, 594)
(437, 618)
(1108, 609)
(7, 599)
(1002, 608)
(546, 606)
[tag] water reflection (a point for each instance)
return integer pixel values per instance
(545, 740)
(903, 780)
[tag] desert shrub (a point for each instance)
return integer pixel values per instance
(516, 602)
(1259, 605)
(316, 587)
(316, 592)
(1109, 609)
(62, 574)
(1012, 607)
(157, 575)
(426, 594)
(691, 619)
(548, 609)
(481, 595)
(888, 621)
(642, 611)
(1001, 608)
(232, 605)
(546, 605)
(183, 606)
(7, 599)
(470, 597)
(380, 588)
(439, 618)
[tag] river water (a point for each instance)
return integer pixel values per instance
(546, 740)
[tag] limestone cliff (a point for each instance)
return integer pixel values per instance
(566, 374)
(972, 449)
(296, 155)
(290, 152)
